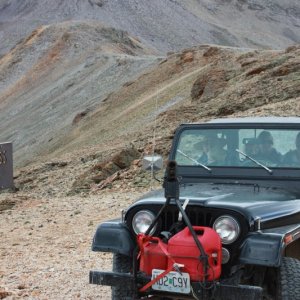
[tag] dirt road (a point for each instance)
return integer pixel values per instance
(45, 248)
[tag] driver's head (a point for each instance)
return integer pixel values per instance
(265, 141)
(251, 147)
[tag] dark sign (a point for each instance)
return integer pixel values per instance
(6, 166)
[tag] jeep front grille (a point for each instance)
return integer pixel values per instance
(198, 216)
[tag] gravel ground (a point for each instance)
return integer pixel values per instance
(45, 248)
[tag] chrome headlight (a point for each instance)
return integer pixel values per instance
(228, 229)
(142, 221)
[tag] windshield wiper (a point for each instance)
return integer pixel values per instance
(195, 161)
(255, 161)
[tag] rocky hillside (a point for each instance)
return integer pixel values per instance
(71, 64)
(165, 25)
(103, 147)
(79, 89)
(59, 73)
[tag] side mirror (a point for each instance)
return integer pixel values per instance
(152, 163)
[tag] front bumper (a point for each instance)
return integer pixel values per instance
(219, 290)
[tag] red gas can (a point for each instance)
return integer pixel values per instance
(152, 255)
(183, 250)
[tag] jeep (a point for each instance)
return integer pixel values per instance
(225, 225)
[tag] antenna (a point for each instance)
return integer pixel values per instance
(154, 137)
(155, 123)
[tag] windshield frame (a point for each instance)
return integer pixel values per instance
(237, 173)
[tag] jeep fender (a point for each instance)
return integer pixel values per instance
(263, 249)
(114, 237)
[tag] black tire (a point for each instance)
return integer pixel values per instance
(122, 264)
(284, 282)
(289, 279)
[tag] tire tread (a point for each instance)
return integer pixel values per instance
(289, 279)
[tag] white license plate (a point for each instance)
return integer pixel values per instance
(172, 282)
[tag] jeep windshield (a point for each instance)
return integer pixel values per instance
(272, 148)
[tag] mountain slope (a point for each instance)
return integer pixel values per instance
(103, 147)
(165, 25)
(60, 71)
(194, 85)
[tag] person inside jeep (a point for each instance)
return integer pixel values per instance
(292, 158)
(251, 147)
(217, 154)
(266, 152)
(203, 147)
(212, 149)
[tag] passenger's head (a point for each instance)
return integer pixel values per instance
(265, 141)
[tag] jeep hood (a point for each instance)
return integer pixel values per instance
(269, 204)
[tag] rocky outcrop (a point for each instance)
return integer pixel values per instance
(109, 169)
(239, 82)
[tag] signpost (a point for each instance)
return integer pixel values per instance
(6, 166)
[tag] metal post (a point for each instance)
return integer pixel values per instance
(6, 166)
